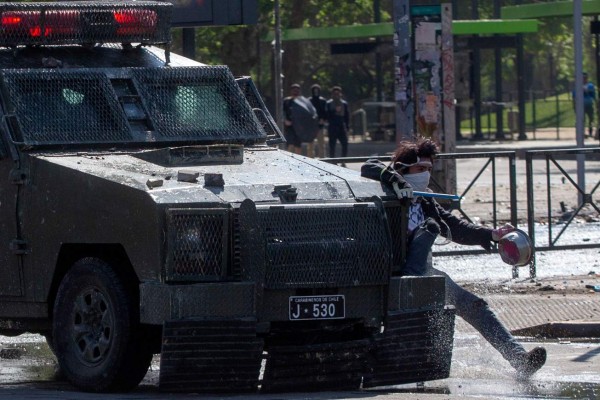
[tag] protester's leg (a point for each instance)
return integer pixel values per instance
(478, 314)
(589, 112)
(321, 142)
(295, 149)
(332, 140)
(310, 149)
(344, 142)
(418, 253)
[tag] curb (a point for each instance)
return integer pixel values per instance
(555, 330)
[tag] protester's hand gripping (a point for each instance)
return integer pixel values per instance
(402, 193)
(501, 231)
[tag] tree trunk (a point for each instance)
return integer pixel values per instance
(292, 50)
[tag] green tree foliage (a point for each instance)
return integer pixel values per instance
(244, 50)
(548, 53)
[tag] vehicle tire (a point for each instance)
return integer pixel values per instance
(97, 336)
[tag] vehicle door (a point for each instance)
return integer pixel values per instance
(11, 248)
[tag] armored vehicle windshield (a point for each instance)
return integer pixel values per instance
(70, 76)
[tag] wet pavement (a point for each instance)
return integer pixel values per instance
(478, 371)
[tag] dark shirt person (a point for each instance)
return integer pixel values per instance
(320, 105)
(589, 102)
(338, 117)
(300, 120)
(410, 170)
(294, 144)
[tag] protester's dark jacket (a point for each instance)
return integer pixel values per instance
(320, 105)
(337, 122)
(461, 231)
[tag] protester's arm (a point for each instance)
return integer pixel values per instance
(375, 169)
(287, 112)
(346, 116)
(464, 232)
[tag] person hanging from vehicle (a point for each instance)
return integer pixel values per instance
(410, 170)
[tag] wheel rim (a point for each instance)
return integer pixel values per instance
(93, 325)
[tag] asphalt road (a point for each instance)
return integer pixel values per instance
(477, 371)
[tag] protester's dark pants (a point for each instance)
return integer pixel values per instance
(469, 307)
(335, 134)
(589, 112)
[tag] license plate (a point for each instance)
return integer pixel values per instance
(317, 307)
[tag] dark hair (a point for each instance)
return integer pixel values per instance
(409, 152)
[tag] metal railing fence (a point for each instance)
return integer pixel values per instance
(551, 157)
(556, 158)
(490, 160)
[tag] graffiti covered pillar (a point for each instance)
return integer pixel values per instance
(433, 80)
(448, 98)
(403, 93)
(424, 79)
(427, 69)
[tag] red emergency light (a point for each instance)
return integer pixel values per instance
(32, 23)
(84, 23)
(135, 22)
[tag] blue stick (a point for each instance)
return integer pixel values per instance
(452, 197)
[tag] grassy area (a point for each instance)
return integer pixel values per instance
(549, 112)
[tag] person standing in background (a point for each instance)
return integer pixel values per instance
(338, 117)
(589, 102)
(300, 121)
(320, 105)
(294, 144)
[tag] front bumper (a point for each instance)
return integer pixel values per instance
(161, 302)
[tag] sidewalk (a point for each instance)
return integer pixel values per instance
(550, 308)
(542, 139)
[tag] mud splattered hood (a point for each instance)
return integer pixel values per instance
(192, 174)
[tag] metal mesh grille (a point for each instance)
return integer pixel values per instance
(192, 102)
(57, 107)
(197, 247)
(395, 222)
(325, 246)
(79, 22)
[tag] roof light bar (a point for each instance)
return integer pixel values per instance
(84, 22)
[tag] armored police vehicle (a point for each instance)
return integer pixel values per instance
(144, 210)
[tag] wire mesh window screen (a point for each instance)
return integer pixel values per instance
(200, 102)
(325, 246)
(57, 107)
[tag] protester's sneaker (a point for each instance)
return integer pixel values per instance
(532, 361)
